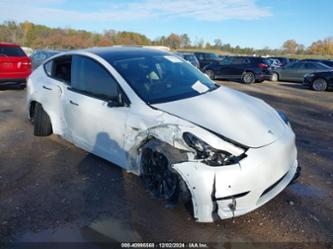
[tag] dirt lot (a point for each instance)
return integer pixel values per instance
(53, 191)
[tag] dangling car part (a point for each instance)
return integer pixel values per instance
(157, 116)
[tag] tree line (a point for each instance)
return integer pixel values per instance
(40, 36)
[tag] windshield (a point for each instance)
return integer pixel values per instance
(158, 79)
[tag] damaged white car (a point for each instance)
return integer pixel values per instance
(159, 117)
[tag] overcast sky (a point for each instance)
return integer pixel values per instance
(251, 23)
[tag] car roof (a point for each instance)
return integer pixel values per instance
(120, 53)
(8, 44)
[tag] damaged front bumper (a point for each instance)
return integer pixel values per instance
(230, 191)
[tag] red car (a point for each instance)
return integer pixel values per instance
(15, 65)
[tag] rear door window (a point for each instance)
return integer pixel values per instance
(8, 51)
(59, 69)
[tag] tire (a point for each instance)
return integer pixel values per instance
(42, 123)
(210, 74)
(275, 77)
(160, 180)
(248, 78)
(319, 85)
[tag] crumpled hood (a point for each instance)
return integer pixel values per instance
(232, 114)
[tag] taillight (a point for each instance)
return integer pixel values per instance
(262, 66)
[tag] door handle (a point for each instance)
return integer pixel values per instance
(73, 103)
(47, 88)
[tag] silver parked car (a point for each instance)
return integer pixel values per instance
(39, 56)
(295, 71)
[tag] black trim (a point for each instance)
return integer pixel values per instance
(273, 185)
(100, 97)
(231, 196)
(18, 80)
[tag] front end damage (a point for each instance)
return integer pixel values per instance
(233, 190)
(239, 181)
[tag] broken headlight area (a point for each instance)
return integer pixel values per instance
(209, 155)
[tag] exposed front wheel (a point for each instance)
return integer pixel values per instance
(41, 121)
(319, 85)
(248, 78)
(159, 178)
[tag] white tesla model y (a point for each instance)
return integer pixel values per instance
(155, 115)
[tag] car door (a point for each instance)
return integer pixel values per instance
(289, 72)
(221, 68)
(226, 68)
(53, 89)
(305, 68)
(96, 121)
(236, 68)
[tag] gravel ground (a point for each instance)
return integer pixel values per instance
(53, 191)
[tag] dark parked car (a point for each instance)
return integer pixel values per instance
(15, 65)
(190, 57)
(205, 58)
(247, 69)
(39, 56)
(320, 81)
(295, 71)
(326, 62)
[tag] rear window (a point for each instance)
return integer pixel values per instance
(11, 51)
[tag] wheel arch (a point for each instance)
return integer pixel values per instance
(174, 156)
(323, 78)
(248, 71)
(31, 111)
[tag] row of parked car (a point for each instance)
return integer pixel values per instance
(314, 73)
(16, 66)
